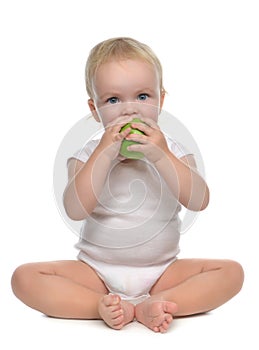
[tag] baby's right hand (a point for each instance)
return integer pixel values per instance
(112, 138)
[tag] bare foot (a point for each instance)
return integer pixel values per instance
(156, 314)
(115, 312)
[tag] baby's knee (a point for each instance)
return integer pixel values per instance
(235, 274)
(21, 279)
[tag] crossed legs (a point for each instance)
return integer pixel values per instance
(65, 289)
(72, 289)
(69, 289)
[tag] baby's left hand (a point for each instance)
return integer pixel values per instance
(153, 144)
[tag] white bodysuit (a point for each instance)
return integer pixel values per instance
(132, 235)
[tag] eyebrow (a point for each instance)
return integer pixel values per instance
(109, 94)
(144, 90)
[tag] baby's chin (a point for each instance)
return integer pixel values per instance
(120, 158)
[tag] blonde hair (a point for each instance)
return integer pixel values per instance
(119, 48)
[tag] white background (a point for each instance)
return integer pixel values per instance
(209, 51)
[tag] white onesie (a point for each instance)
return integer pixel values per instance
(132, 235)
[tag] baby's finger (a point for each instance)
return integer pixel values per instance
(146, 129)
(137, 138)
(125, 132)
(119, 136)
(138, 147)
(150, 122)
(120, 122)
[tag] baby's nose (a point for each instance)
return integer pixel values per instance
(130, 108)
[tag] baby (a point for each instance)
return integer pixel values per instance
(127, 266)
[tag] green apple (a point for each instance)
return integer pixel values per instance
(125, 143)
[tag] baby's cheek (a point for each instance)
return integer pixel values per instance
(149, 111)
(109, 113)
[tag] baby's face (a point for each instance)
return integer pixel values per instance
(126, 88)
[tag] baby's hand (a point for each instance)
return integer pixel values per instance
(152, 144)
(111, 140)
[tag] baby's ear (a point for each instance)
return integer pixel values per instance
(93, 110)
(162, 98)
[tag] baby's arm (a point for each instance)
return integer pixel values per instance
(86, 180)
(183, 178)
(84, 185)
(180, 175)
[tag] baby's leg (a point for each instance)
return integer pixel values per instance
(69, 289)
(66, 289)
(199, 285)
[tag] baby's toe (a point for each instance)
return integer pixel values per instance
(118, 323)
(155, 329)
(111, 299)
(116, 314)
(164, 327)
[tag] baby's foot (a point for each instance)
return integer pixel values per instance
(156, 314)
(115, 312)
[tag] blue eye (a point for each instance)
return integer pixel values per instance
(113, 100)
(142, 97)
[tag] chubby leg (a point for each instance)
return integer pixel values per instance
(199, 285)
(190, 286)
(66, 289)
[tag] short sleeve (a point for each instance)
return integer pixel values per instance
(177, 148)
(85, 152)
